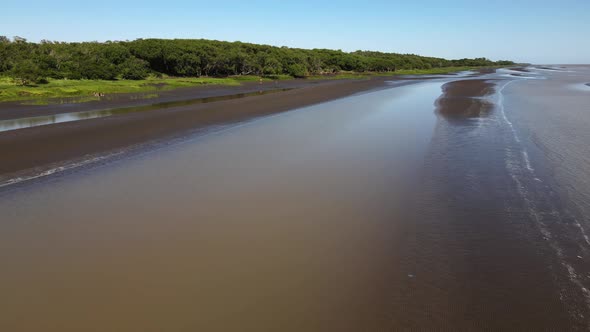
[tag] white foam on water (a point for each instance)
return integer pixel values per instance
(582, 231)
(527, 161)
(500, 103)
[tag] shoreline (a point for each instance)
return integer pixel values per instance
(17, 109)
(28, 150)
(14, 109)
(67, 91)
(34, 147)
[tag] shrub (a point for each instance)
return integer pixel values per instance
(134, 69)
(27, 72)
(297, 70)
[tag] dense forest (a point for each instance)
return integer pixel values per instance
(28, 62)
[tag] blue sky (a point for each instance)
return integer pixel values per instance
(521, 30)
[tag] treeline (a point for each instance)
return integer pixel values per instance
(29, 62)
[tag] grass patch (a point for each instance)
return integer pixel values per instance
(85, 89)
(9, 91)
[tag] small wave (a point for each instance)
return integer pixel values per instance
(72, 164)
(32, 174)
(527, 161)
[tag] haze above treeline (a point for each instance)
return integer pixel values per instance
(141, 58)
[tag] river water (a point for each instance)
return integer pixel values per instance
(367, 213)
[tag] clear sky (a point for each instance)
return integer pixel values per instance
(542, 31)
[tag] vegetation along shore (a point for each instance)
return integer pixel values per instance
(33, 71)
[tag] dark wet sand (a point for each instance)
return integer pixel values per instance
(464, 98)
(32, 147)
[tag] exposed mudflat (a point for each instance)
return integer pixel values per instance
(466, 98)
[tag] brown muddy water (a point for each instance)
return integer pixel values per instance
(368, 213)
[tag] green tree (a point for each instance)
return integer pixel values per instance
(195, 57)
